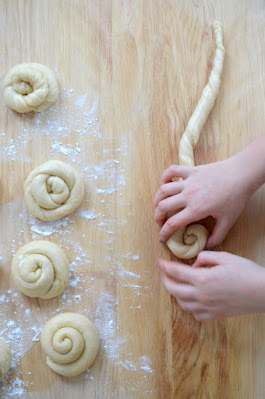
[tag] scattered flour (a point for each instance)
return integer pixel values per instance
(73, 121)
(88, 215)
(80, 101)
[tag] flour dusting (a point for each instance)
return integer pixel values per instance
(71, 131)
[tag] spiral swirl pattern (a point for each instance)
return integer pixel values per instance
(30, 87)
(53, 190)
(5, 359)
(70, 341)
(40, 269)
(187, 242)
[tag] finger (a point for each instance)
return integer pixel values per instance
(175, 222)
(203, 316)
(208, 258)
(220, 230)
(189, 306)
(166, 190)
(171, 204)
(179, 291)
(177, 271)
(175, 171)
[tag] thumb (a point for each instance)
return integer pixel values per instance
(220, 230)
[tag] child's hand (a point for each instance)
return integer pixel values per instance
(231, 286)
(219, 190)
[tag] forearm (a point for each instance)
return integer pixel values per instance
(250, 164)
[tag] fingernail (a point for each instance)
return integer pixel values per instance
(160, 240)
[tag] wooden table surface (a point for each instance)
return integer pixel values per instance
(130, 74)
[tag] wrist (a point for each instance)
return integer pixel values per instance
(249, 168)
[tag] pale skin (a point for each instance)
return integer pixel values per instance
(219, 284)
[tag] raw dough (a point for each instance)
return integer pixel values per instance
(53, 190)
(30, 87)
(70, 342)
(5, 359)
(186, 243)
(40, 269)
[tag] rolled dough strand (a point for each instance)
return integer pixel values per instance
(187, 242)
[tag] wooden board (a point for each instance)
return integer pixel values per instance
(130, 75)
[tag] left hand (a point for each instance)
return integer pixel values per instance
(231, 286)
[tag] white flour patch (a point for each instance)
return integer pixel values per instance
(37, 332)
(130, 256)
(80, 101)
(46, 229)
(88, 215)
(105, 321)
(126, 273)
(102, 191)
(144, 363)
(59, 147)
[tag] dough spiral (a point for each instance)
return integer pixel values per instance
(40, 269)
(53, 190)
(70, 341)
(5, 359)
(186, 243)
(30, 87)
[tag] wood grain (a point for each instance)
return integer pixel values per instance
(142, 65)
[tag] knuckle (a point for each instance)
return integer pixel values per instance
(156, 218)
(201, 280)
(173, 168)
(162, 206)
(200, 256)
(163, 189)
(196, 209)
(171, 223)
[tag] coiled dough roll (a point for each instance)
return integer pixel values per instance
(53, 190)
(70, 341)
(5, 359)
(187, 242)
(40, 269)
(30, 87)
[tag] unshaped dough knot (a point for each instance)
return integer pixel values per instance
(40, 269)
(5, 359)
(53, 190)
(70, 341)
(187, 242)
(30, 87)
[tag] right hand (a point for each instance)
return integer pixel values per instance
(219, 190)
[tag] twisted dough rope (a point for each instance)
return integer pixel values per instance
(53, 190)
(30, 87)
(5, 359)
(187, 242)
(70, 342)
(40, 269)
